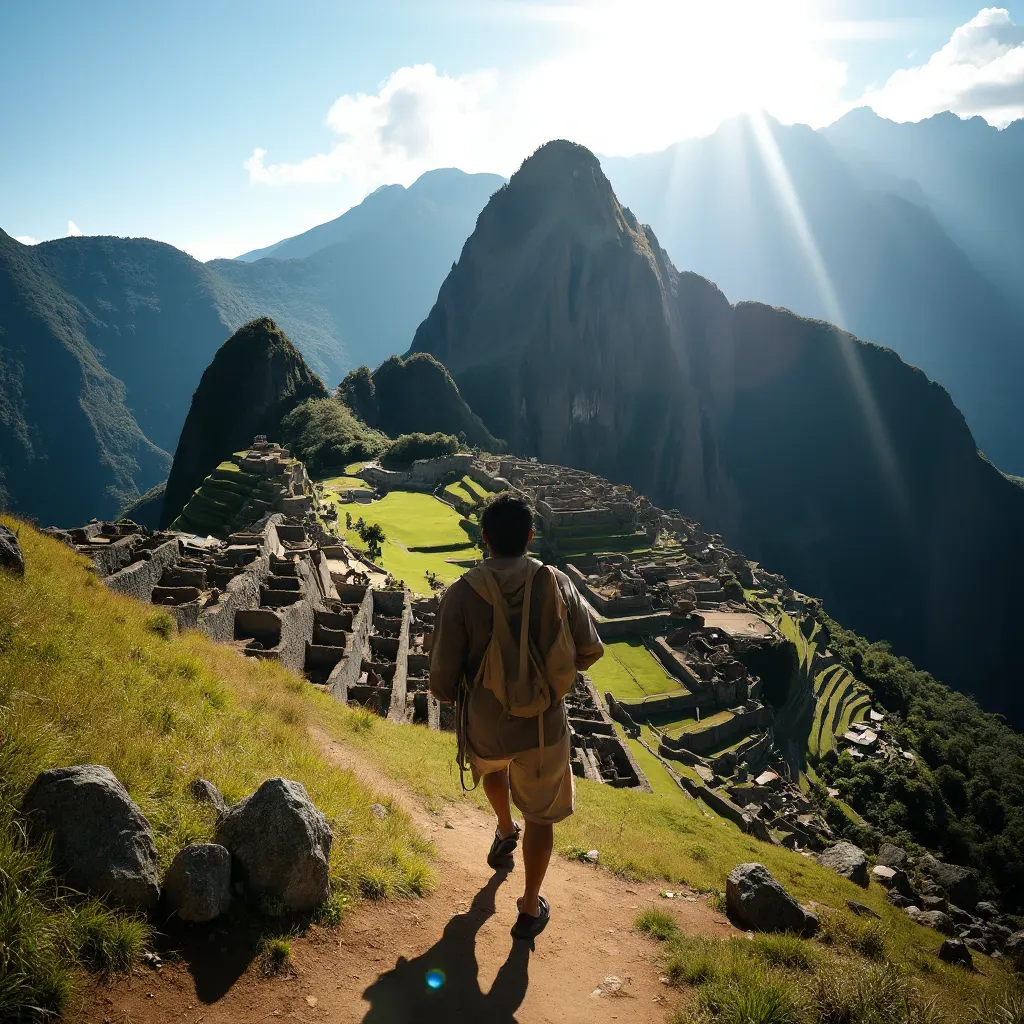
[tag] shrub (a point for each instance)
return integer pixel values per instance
(410, 447)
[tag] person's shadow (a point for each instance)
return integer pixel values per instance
(443, 983)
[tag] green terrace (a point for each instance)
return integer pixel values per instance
(677, 725)
(214, 507)
(466, 494)
(629, 671)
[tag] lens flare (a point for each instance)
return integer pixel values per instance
(435, 979)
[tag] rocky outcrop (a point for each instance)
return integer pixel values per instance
(960, 883)
(102, 843)
(256, 378)
(890, 856)
(757, 901)
(198, 883)
(281, 843)
(932, 919)
(847, 860)
(11, 557)
(1014, 948)
(599, 354)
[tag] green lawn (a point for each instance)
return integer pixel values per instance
(345, 483)
(679, 726)
(630, 672)
(411, 519)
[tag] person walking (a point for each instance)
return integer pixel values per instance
(509, 639)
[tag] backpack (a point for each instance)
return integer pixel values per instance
(526, 681)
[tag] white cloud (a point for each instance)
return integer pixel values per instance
(418, 119)
(633, 76)
(979, 71)
(26, 239)
(74, 231)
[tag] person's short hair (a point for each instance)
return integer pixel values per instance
(506, 522)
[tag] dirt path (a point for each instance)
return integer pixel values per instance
(374, 968)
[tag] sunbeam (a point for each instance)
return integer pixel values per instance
(826, 290)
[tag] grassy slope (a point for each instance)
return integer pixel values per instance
(668, 836)
(87, 676)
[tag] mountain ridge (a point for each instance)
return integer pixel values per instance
(769, 427)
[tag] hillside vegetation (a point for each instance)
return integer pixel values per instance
(87, 676)
(414, 395)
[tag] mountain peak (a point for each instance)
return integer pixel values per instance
(255, 379)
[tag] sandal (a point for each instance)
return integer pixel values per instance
(529, 927)
(500, 855)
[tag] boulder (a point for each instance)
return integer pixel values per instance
(890, 856)
(757, 901)
(205, 792)
(935, 903)
(281, 842)
(932, 919)
(986, 911)
(198, 884)
(961, 917)
(1014, 949)
(895, 881)
(847, 860)
(960, 883)
(977, 945)
(862, 910)
(953, 951)
(101, 841)
(11, 557)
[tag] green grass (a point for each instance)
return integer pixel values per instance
(412, 519)
(345, 483)
(678, 726)
(839, 978)
(88, 676)
(629, 672)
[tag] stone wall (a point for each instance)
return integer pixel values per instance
(745, 723)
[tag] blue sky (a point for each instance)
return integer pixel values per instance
(221, 126)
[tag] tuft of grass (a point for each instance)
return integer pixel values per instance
(108, 943)
(1005, 1007)
(785, 950)
(760, 999)
(657, 924)
(276, 957)
(162, 625)
(90, 677)
(846, 930)
(332, 912)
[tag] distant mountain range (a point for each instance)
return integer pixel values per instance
(103, 340)
(918, 229)
(826, 458)
(858, 226)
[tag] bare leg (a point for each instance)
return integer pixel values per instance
(496, 789)
(538, 841)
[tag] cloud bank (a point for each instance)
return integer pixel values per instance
(26, 239)
(74, 231)
(980, 71)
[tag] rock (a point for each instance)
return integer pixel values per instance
(997, 934)
(978, 945)
(890, 856)
(960, 883)
(930, 888)
(847, 860)
(205, 792)
(11, 557)
(759, 902)
(861, 910)
(953, 951)
(895, 881)
(281, 842)
(379, 811)
(986, 911)
(1014, 949)
(961, 917)
(897, 899)
(102, 842)
(935, 903)
(198, 884)
(932, 919)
